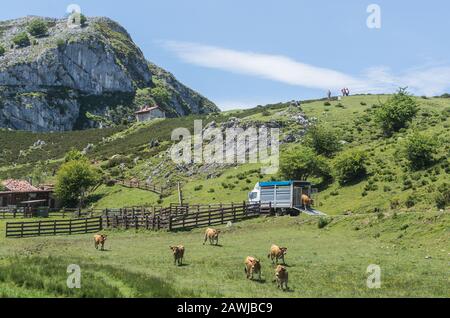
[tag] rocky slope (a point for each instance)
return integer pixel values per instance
(55, 81)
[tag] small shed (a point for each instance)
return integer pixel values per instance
(148, 113)
(22, 193)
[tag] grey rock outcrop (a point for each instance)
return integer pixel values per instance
(55, 81)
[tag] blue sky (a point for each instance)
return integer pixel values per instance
(249, 52)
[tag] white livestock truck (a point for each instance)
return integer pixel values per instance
(284, 196)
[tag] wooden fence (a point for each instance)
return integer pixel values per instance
(183, 217)
(142, 186)
(56, 227)
(172, 218)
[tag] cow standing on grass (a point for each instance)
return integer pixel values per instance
(277, 253)
(99, 239)
(212, 235)
(252, 267)
(281, 277)
(178, 254)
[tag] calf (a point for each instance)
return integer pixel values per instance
(178, 253)
(277, 253)
(252, 266)
(99, 239)
(212, 235)
(281, 277)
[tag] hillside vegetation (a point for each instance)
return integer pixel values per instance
(390, 181)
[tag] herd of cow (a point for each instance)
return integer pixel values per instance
(252, 265)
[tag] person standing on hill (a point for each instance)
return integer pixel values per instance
(329, 95)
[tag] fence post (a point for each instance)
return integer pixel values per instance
(170, 222)
(70, 227)
(39, 228)
(54, 227)
(234, 212)
(221, 213)
(244, 208)
(85, 225)
(21, 230)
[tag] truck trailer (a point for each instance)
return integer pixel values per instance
(284, 197)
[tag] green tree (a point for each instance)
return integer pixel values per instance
(2, 50)
(21, 40)
(300, 163)
(396, 112)
(37, 28)
(420, 150)
(350, 167)
(73, 180)
(323, 140)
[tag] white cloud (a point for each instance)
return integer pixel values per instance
(421, 81)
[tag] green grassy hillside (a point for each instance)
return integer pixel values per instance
(390, 182)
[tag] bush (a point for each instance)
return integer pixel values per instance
(323, 140)
(442, 197)
(300, 162)
(37, 28)
(21, 40)
(323, 222)
(74, 178)
(396, 112)
(2, 50)
(350, 167)
(411, 201)
(198, 188)
(419, 151)
(60, 43)
(83, 20)
(327, 104)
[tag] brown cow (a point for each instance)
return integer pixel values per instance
(252, 266)
(178, 254)
(281, 277)
(306, 201)
(212, 235)
(99, 239)
(277, 253)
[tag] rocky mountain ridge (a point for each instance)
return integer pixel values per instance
(55, 81)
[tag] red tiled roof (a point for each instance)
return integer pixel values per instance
(18, 186)
(146, 109)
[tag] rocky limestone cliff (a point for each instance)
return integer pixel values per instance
(54, 82)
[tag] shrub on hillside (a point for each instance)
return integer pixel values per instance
(21, 40)
(442, 197)
(300, 163)
(396, 112)
(323, 140)
(323, 222)
(2, 50)
(350, 167)
(37, 28)
(83, 20)
(73, 180)
(420, 150)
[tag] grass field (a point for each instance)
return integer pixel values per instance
(411, 249)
